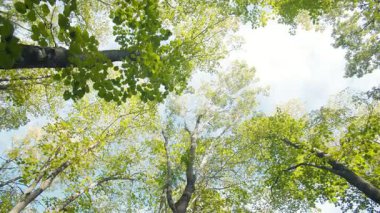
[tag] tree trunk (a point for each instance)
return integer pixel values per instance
(344, 172)
(360, 183)
(55, 57)
(183, 202)
(29, 197)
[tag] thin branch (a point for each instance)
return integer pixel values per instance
(8, 87)
(19, 25)
(10, 181)
(7, 161)
(288, 142)
(105, 3)
(307, 164)
(25, 78)
(100, 182)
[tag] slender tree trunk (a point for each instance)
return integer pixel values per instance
(55, 57)
(168, 187)
(183, 202)
(32, 192)
(29, 197)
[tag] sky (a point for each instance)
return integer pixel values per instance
(304, 66)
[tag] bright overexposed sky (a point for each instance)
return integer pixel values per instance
(304, 66)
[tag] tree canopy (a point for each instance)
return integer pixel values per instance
(331, 154)
(157, 124)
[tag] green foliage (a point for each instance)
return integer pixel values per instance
(346, 133)
(9, 48)
(165, 47)
(20, 7)
(92, 140)
(359, 35)
(120, 136)
(28, 94)
(160, 60)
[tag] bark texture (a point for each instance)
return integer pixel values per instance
(55, 57)
(342, 171)
(360, 183)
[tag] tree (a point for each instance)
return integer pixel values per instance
(153, 43)
(196, 158)
(68, 153)
(329, 154)
(199, 167)
(156, 63)
(154, 59)
(85, 154)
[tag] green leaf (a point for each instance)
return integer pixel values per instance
(20, 7)
(14, 48)
(66, 95)
(75, 48)
(6, 28)
(45, 9)
(31, 15)
(29, 4)
(5, 60)
(63, 21)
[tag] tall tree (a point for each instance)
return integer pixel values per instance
(201, 167)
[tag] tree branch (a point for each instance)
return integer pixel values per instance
(10, 181)
(57, 57)
(289, 143)
(24, 78)
(342, 171)
(307, 164)
(101, 181)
